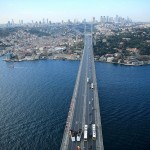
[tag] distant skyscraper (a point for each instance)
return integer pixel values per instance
(75, 21)
(8, 24)
(116, 19)
(111, 19)
(91, 28)
(69, 21)
(104, 19)
(36, 24)
(32, 22)
(84, 21)
(85, 28)
(101, 19)
(43, 21)
(94, 20)
(21, 22)
(12, 23)
(50, 22)
(107, 19)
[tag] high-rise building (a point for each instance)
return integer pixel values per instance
(50, 22)
(107, 19)
(22, 22)
(32, 22)
(101, 19)
(8, 24)
(36, 24)
(43, 21)
(12, 23)
(94, 20)
(116, 19)
(111, 19)
(69, 21)
(84, 21)
(47, 21)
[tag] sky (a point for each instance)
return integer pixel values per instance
(58, 10)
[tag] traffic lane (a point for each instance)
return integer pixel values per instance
(79, 119)
(89, 117)
(82, 69)
(79, 93)
(75, 119)
(92, 92)
(88, 143)
(86, 109)
(92, 144)
(77, 124)
(82, 78)
(93, 116)
(89, 114)
(93, 113)
(77, 108)
(80, 105)
(84, 59)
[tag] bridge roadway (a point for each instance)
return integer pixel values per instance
(85, 104)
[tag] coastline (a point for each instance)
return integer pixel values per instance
(77, 59)
(124, 64)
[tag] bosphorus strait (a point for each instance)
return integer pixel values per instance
(35, 98)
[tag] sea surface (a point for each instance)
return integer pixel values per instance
(35, 98)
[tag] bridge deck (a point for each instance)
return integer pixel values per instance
(84, 108)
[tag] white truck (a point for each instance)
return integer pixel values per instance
(92, 86)
(93, 131)
(85, 132)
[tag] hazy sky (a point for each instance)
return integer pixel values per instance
(57, 10)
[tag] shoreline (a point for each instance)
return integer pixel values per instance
(65, 59)
(124, 64)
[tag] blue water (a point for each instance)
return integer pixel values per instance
(35, 98)
(125, 106)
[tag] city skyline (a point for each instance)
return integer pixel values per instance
(59, 10)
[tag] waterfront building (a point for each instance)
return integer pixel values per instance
(8, 56)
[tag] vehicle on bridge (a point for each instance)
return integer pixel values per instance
(93, 131)
(79, 135)
(72, 135)
(88, 80)
(92, 86)
(85, 132)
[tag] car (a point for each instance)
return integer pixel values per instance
(72, 135)
(79, 133)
